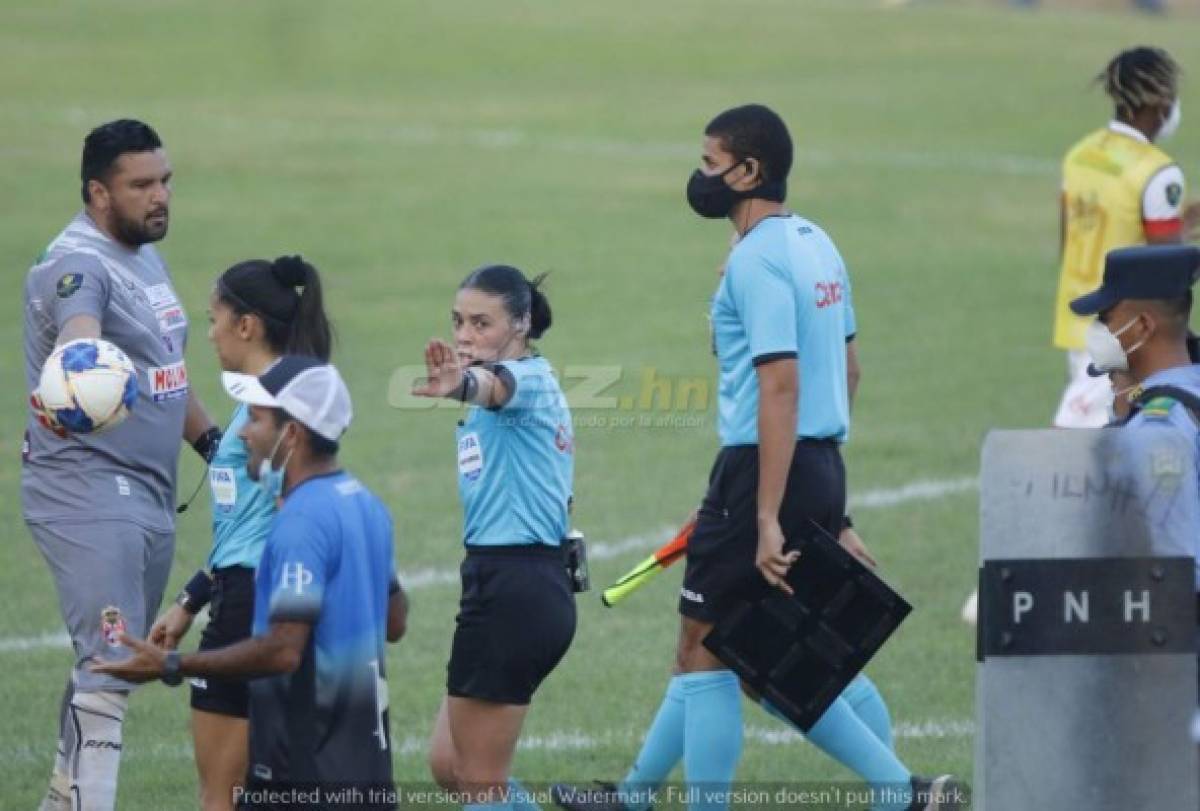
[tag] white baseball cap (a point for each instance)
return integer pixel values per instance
(311, 392)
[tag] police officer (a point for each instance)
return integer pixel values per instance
(1143, 307)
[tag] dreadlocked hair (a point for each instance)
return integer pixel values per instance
(1140, 78)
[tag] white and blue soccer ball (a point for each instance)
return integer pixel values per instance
(88, 385)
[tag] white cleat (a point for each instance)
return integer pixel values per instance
(942, 793)
(970, 609)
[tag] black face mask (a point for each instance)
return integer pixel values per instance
(710, 196)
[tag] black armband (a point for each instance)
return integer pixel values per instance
(847, 523)
(206, 444)
(196, 593)
(468, 388)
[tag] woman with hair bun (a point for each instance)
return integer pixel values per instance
(516, 617)
(258, 311)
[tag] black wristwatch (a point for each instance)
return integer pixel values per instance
(847, 522)
(171, 675)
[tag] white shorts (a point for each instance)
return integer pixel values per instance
(1087, 401)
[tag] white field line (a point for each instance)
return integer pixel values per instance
(413, 746)
(283, 128)
(920, 490)
(49, 639)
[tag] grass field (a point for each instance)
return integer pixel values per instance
(399, 145)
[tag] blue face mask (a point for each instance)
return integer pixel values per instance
(270, 480)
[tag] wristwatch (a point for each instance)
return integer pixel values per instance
(171, 675)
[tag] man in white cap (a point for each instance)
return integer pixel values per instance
(326, 597)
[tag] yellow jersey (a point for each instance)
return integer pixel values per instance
(1117, 188)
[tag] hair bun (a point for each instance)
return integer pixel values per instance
(540, 316)
(290, 271)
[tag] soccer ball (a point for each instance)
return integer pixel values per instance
(88, 386)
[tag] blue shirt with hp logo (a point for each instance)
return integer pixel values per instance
(785, 293)
(327, 562)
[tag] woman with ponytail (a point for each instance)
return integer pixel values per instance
(515, 469)
(258, 311)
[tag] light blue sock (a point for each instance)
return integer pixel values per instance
(519, 798)
(712, 737)
(870, 707)
(661, 750)
(842, 735)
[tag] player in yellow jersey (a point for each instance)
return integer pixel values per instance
(1119, 189)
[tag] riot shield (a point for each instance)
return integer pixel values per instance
(1086, 682)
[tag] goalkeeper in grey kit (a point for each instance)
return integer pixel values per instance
(100, 506)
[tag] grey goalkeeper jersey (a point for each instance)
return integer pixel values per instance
(127, 472)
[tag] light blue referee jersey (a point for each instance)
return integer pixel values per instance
(785, 294)
(516, 464)
(242, 513)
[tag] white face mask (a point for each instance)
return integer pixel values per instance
(1105, 350)
(1171, 125)
(270, 479)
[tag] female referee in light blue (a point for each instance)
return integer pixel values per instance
(258, 311)
(515, 466)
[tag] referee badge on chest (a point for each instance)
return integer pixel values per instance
(112, 625)
(470, 457)
(223, 481)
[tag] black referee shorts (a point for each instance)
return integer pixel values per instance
(720, 568)
(515, 622)
(231, 616)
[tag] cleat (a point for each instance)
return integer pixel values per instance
(938, 794)
(601, 797)
(970, 609)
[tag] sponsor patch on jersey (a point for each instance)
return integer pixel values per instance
(828, 293)
(168, 382)
(69, 285)
(563, 441)
(470, 457)
(223, 481)
(1174, 194)
(170, 318)
(160, 296)
(112, 625)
